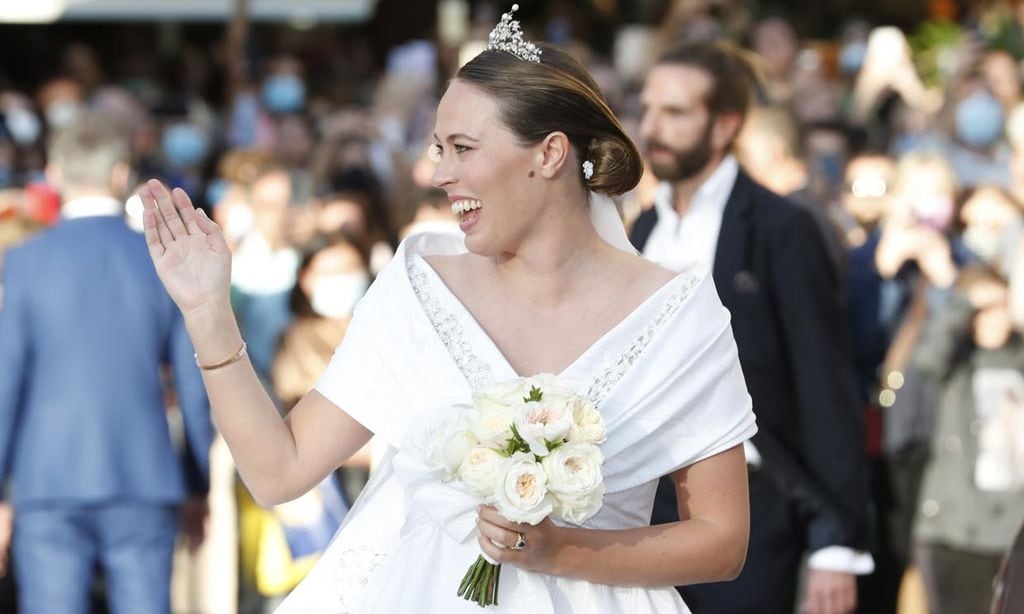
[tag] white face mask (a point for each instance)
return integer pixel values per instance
(335, 296)
(62, 112)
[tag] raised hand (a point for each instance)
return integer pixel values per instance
(188, 249)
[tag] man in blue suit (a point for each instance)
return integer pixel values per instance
(86, 335)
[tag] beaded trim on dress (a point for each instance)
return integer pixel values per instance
(478, 373)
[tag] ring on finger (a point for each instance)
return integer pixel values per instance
(520, 542)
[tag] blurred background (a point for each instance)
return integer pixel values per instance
(301, 126)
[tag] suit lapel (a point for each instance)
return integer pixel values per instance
(731, 257)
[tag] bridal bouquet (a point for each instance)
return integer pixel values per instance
(528, 447)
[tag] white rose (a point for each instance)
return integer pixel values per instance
(479, 470)
(522, 494)
(580, 509)
(507, 393)
(493, 426)
(587, 423)
(573, 470)
(448, 446)
(539, 422)
(550, 385)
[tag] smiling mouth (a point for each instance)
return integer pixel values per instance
(460, 207)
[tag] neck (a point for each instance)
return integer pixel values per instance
(72, 194)
(556, 259)
(684, 190)
(789, 177)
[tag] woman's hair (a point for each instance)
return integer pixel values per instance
(298, 303)
(558, 95)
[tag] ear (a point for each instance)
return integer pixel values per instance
(724, 130)
(53, 175)
(552, 153)
(120, 178)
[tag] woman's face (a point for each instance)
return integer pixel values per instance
(334, 280)
(484, 170)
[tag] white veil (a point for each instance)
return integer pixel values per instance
(605, 217)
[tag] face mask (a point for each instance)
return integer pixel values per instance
(62, 112)
(851, 58)
(979, 120)
(23, 126)
(335, 296)
(284, 93)
(984, 243)
(184, 145)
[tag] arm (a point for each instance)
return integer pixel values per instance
(831, 445)
(278, 459)
(941, 337)
(14, 356)
(709, 544)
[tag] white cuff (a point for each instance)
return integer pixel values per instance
(843, 559)
(753, 456)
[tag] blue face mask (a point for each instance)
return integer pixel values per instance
(284, 93)
(184, 145)
(23, 126)
(979, 120)
(851, 58)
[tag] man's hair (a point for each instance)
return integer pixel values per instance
(87, 151)
(732, 76)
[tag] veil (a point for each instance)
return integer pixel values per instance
(605, 217)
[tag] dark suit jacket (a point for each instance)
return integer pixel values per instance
(774, 275)
(85, 327)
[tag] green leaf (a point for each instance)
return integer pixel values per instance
(536, 394)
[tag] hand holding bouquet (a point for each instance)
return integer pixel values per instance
(530, 448)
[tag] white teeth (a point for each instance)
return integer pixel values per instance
(462, 206)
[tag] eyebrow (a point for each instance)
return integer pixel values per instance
(457, 135)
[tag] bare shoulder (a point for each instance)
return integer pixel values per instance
(453, 269)
(647, 276)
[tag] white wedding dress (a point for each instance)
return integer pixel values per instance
(666, 379)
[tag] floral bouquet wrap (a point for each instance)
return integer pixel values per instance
(529, 446)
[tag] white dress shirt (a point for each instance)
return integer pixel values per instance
(677, 241)
(91, 206)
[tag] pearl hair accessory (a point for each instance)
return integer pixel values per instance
(588, 169)
(507, 36)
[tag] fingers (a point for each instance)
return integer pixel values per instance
(156, 247)
(497, 534)
(212, 232)
(491, 515)
(168, 211)
(150, 211)
(185, 209)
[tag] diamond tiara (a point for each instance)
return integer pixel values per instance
(507, 36)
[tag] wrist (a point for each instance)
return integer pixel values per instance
(214, 331)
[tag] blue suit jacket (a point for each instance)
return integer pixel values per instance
(85, 329)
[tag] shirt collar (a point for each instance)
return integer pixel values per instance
(714, 192)
(91, 206)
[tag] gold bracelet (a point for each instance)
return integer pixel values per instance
(234, 358)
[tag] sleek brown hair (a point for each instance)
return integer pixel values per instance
(732, 75)
(558, 95)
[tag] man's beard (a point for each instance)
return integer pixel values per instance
(687, 163)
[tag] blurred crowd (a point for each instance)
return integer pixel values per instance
(908, 147)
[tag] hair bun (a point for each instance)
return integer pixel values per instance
(617, 165)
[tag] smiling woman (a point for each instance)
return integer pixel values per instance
(541, 281)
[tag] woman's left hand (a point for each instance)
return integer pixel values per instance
(497, 537)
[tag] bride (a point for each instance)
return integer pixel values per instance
(541, 280)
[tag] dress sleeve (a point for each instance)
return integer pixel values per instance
(686, 396)
(360, 379)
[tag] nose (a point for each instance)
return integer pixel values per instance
(442, 175)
